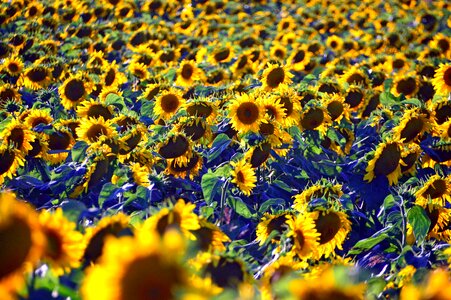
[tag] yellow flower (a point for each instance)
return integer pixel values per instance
(243, 176)
(386, 161)
(436, 286)
(436, 189)
(140, 174)
(64, 244)
(412, 126)
(180, 217)
(74, 90)
(245, 113)
(18, 136)
(94, 109)
(304, 235)
(442, 79)
(168, 104)
(270, 223)
(35, 77)
(22, 241)
(13, 65)
(188, 73)
(210, 237)
(274, 75)
(92, 130)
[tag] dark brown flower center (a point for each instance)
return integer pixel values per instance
(412, 129)
(17, 137)
(59, 140)
(187, 71)
(328, 226)
(275, 77)
(37, 74)
(54, 247)
(98, 110)
(110, 77)
(447, 77)
(436, 189)
(335, 109)
(388, 160)
(406, 86)
(312, 118)
(174, 147)
(222, 55)
(74, 90)
(226, 274)
(247, 113)
(170, 103)
(354, 98)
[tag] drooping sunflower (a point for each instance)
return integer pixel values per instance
(95, 236)
(436, 189)
(168, 103)
(140, 174)
(412, 126)
(299, 57)
(202, 107)
(274, 75)
(410, 157)
(188, 73)
(74, 90)
(18, 135)
(272, 222)
(442, 79)
(245, 113)
(140, 267)
(243, 175)
(22, 240)
(64, 244)
(210, 237)
(112, 76)
(274, 108)
(92, 130)
(259, 154)
(189, 168)
(9, 93)
(35, 77)
(315, 118)
(321, 189)
(386, 162)
(180, 217)
(336, 107)
(304, 235)
(13, 65)
(333, 226)
(177, 147)
(10, 160)
(94, 109)
(354, 76)
(291, 104)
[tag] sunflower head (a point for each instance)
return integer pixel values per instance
(74, 90)
(168, 103)
(442, 79)
(92, 130)
(274, 75)
(386, 162)
(243, 175)
(245, 113)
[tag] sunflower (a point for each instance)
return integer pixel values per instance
(442, 79)
(441, 110)
(40, 147)
(92, 130)
(217, 77)
(22, 240)
(274, 75)
(35, 77)
(273, 107)
(336, 107)
(242, 66)
(93, 109)
(221, 54)
(95, 236)
(13, 65)
(188, 73)
(406, 84)
(259, 154)
(315, 118)
(282, 267)
(436, 189)
(178, 147)
(386, 161)
(444, 130)
(210, 237)
(202, 107)
(278, 52)
(321, 189)
(105, 91)
(18, 135)
(38, 116)
(74, 90)
(168, 103)
(436, 286)
(245, 113)
(410, 157)
(139, 70)
(333, 227)
(299, 57)
(334, 42)
(140, 174)
(180, 217)
(138, 267)
(412, 126)
(225, 271)
(443, 43)
(326, 286)
(112, 77)
(9, 93)
(355, 97)
(64, 244)
(290, 102)
(269, 223)
(305, 238)
(354, 76)
(243, 175)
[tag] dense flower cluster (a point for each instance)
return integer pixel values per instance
(156, 149)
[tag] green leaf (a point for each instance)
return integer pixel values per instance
(207, 211)
(420, 222)
(367, 244)
(271, 202)
(147, 108)
(5, 123)
(210, 184)
(72, 209)
(375, 286)
(220, 143)
(239, 206)
(115, 100)
(107, 189)
(389, 202)
(388, 99)
(78, 151)
(413, 101)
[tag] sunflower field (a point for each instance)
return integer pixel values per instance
(178, 149)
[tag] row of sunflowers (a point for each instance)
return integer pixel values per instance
(225, 150)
